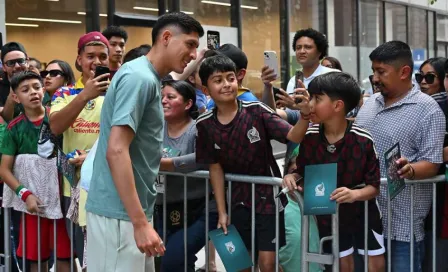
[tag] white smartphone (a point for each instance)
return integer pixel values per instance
(271, 60)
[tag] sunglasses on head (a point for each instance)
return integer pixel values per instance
(12, 63)
(429, 78)
(52, 73)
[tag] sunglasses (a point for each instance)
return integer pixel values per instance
(12, 63)
(52, 73)
(429, 78)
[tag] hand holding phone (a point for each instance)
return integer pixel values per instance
(101, 70)
(271, 60)
(213, 40)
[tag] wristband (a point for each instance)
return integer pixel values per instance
(18, 189)
(23, 192)
(26, 195)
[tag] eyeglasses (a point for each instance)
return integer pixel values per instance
(52, 73)
(429, 78)
(12, 63)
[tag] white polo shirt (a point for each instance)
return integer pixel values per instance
(319, 71)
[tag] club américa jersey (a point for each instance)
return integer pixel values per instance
(357, 163)
(243, 147)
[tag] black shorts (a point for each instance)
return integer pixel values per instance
(353, 237)
(264, 228)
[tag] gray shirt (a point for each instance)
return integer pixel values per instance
(133, 99)
(182, 150)
(418, 124)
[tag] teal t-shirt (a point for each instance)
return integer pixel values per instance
(133, 99)
(290, 255)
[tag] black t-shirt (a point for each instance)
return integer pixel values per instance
(244, 147)
(356, 160)
(4, 91)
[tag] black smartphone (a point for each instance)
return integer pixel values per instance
(276, 91)
(101, 70)
(299, 76)
(213, 40)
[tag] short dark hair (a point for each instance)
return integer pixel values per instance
(235, 54)
(115, 31)
(66, 69)
(319, 39)
(136, 52)
(187, 92)
(218, 63)
(334, 62)
(395, 53)
(207, 54)
(186, 23)
(22, 76)
(337, 85)
(39, 64)
(10, 47)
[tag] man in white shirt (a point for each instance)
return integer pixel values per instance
(311, 47)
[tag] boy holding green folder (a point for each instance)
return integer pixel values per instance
(334, 139)
(235, 137)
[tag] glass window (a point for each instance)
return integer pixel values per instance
(261, 31)
(431, 35)
(441, 50)
(442, 29)
(216, 13)
(304, 14)
(342, 35)
(396, 22)
(372, 35)
(418, 35)
(56, 25)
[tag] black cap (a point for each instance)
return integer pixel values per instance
(235, 54)
(12, 46)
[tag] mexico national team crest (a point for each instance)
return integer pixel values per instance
(90, 105)
(175, 217)
(230, 247)
(253, 135)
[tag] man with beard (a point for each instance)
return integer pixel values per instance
(400, 112)
(14, 60)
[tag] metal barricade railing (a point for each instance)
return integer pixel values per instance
(275, 182)
(320, 258)
(307, 257)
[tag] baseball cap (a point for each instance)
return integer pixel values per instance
(235, 54)
(93, 36)
(12, 46)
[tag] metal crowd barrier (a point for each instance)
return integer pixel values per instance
(275, 182)
(7, 255)
(307, 257)
(328, 259)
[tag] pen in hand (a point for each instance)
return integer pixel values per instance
(286, 189)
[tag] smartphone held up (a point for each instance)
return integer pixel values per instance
(101, 70)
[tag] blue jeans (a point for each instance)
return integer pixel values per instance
(401, 256)
(174, 254)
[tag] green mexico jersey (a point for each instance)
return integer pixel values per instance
(21, 136)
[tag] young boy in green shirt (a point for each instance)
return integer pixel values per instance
(33, 179)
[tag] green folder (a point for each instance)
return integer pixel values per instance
(395, 184)
(320, 181)
(231, 249)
